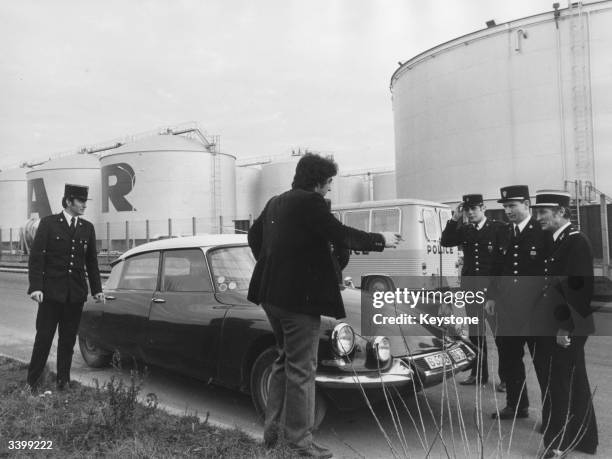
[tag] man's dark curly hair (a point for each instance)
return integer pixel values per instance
(313, 170)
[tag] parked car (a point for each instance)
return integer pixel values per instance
(181, 304)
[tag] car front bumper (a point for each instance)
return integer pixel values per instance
(399, 374)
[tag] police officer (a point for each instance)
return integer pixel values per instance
(481, 240)
(563, 320)
(512, 296)
(64, 246)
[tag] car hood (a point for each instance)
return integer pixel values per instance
(420, 339)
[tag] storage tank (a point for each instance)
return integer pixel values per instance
(348, 189)
(276, 178)
(248, 179)
(384, 186)
(13, 198)
(46, 184)
(166, 177)
(526, 102)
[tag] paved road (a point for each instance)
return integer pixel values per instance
(450, 409)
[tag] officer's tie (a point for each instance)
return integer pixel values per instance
(516, 232)
(72, 225)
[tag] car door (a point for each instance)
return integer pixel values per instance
(127, 307)
(185, 319)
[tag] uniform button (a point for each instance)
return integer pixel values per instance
(516, 254)
(476, 244)
(476, 256)
(516, 246)
(515, 279)
(73, 240)
(477, 269)
(71, 263)
(476, 263)
(545, 270)
(72, 255)
(552, 259)
(515, 263)
(545, 261)
(544, 294)
(57, 238)
(475, 250)
(70, 270)
(515, 272)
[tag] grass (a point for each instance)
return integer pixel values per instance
(108, 421)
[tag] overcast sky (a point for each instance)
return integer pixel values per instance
(266, 75)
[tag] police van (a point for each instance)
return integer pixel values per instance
(419, 261)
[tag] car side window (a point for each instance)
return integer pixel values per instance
(115, 275)
(140, 272)
(432, 230)
(185, 271)
(231, 268)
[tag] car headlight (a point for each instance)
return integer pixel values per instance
(382, 347)
(343, 339)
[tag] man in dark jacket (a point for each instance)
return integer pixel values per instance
(481, 240)
(63, 246)
(562, 321)
(513, 295)
(295, 280)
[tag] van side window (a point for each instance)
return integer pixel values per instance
(432, 230)
(359, 219)
(386, 220)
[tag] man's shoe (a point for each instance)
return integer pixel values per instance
(63, 385)
(500, 387)
(471, 381)
(313, 450)
(510, 413)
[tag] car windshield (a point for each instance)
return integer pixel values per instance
(231, 268)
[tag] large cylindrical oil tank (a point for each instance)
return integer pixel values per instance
(166, 177)
(384, 186)
(248, 182)
(276, 178)
(13, 198)
(526, 102)
(46, 184)
(348, 189)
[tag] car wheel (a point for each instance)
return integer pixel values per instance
(93, 355)
(378, 284)
(260, 386)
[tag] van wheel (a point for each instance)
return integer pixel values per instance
(260, 386)
(93, 355)
(378, 284)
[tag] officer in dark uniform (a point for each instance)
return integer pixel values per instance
(64, 246)
(563, 320)
(513, 294)
(481, 240)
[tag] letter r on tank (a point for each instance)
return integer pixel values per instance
(124, 180)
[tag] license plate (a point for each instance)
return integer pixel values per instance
(457, 354)
(438, 360)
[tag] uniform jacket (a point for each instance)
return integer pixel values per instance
(519, 283)
(58, 260)
(482, 249)
(566, 296)
(294, 269)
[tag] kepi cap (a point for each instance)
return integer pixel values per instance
(470, 200)
(76, 191)
(514, 193)
(552, 198)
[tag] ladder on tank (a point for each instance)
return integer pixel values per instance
(216, 198)
(581, 93)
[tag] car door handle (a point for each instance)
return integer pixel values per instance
(109, 297)
(158, 300)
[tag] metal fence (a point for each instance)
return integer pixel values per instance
(114, 238)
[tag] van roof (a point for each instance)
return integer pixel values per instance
(388, 203)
